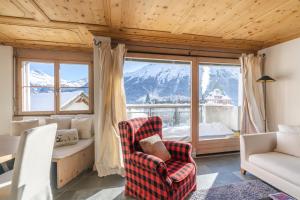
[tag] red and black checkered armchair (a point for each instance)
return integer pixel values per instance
(149, 177)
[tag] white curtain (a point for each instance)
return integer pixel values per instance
(110, 107)
(253, 103)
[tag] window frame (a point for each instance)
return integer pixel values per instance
(193, 92)
(57, 111)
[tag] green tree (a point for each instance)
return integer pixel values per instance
(148, 100)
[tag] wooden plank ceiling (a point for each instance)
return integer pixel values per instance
(243, 25)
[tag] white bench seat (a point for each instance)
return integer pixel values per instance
(66, 151)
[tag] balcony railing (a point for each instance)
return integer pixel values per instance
(176, 115)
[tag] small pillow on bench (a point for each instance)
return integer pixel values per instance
(19, 127)
(84, 127)
(66, 137)
(62, 122)
(153, 145)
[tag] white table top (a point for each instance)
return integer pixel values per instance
(8, 147)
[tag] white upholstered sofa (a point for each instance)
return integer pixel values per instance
(278, 169)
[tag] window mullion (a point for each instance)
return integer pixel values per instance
(56, 87)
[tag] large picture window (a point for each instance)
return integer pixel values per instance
(163, 88)
(51, 87)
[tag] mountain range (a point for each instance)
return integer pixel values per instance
(46, 82)
(157, 83)
(170, 83)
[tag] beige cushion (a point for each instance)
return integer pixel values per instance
(84, 127)
(62, 122)
(65, 151)
(288, 129)
(288, 143)
(154, 146)
(80, 116)
(66, 137)
(282, 165)
(19, 127)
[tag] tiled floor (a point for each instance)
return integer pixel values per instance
(212, 171)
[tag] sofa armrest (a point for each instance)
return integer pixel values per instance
(256, 143)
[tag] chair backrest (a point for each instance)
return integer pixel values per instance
(31, 176)
(133, 130)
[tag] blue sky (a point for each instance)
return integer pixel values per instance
(69, 72)
(131, 66)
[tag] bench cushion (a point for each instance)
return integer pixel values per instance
(282, 165)
(65, 151)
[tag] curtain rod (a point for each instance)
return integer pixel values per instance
(176, 48)
(187, 55)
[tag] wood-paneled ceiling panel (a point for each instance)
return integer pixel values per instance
(14, 9)
(15, 32)
(272, 25)
(81, 11)
(244, 25)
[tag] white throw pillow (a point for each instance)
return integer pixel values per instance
(84, 127)
(66, 137)
(80, 116)
(282, 128)
(62, 122)
(288, 143)
(19, 127)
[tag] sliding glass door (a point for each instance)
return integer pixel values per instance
(198, 99)
(220, 98)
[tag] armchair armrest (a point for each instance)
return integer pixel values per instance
(256, 143)
(151, 163)
(180, 150)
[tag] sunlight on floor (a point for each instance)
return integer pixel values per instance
(206, 181)
(109, 193)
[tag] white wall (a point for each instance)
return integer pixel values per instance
(283, 96)
(6, 88)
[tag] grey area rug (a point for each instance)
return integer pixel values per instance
(247, 190)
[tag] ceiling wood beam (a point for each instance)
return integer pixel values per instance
(181, 47)
(135, 35)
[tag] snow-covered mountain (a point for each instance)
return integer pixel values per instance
(170, 83)
(158, 83)
(38, 78)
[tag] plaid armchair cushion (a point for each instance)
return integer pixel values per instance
(178, 170)
(147, 176)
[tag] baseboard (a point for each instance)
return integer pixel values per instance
(217, 154)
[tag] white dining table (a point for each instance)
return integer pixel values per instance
(8, 147)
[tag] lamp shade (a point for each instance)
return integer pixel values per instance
(266, 79)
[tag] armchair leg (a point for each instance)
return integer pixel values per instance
(243, 172)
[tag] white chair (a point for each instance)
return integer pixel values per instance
(30, 179)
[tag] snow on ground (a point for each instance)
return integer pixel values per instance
(45, 101)
(208, 130)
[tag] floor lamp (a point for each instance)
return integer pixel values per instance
(264, 79)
